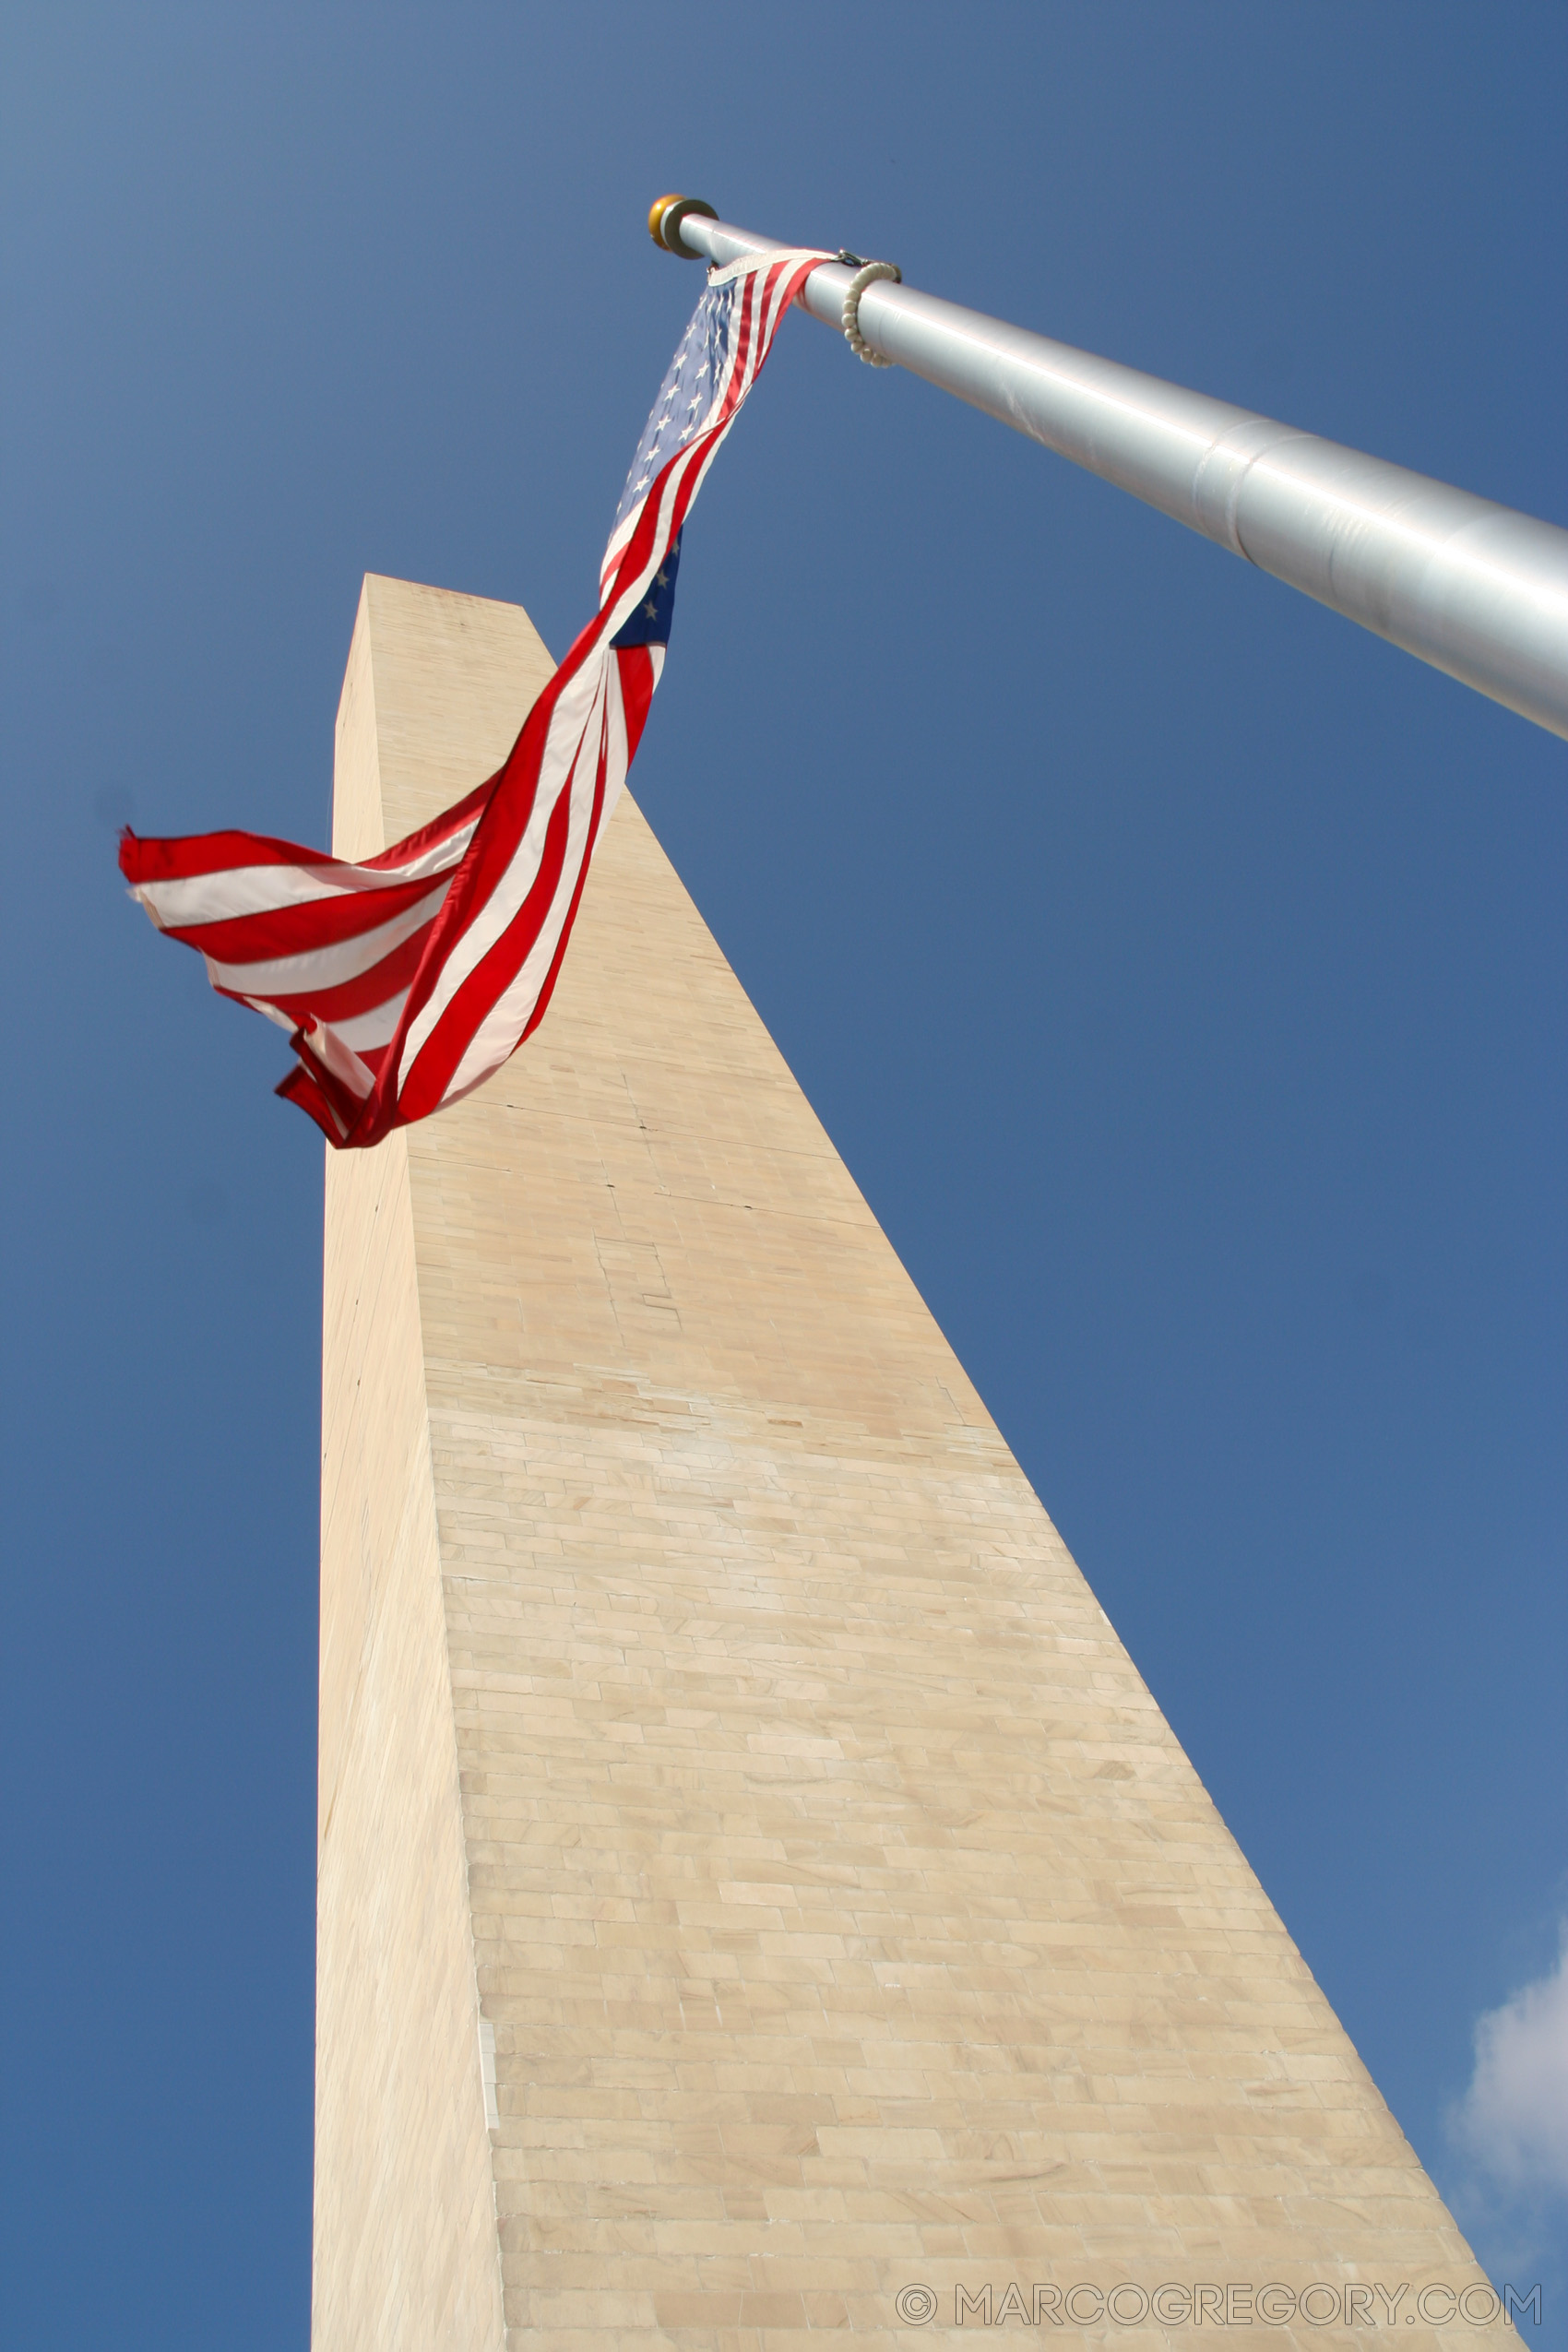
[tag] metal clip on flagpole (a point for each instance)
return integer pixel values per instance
(1478, 590)
(866, 274)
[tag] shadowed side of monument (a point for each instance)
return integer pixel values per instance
(405, 2244)
(709, 1705)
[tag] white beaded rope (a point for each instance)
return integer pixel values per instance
(866, 274)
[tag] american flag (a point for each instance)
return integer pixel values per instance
(407, 982)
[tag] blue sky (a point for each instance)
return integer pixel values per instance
(1178, 968)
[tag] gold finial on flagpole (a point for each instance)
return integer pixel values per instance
(665, 218)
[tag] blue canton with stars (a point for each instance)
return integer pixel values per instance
(650, 624)
(686, 396)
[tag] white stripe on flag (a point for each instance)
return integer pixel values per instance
(569, 722)
(258, 890)
(508, 1016)
(326, 967)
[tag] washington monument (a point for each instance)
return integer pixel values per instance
(757, 1894)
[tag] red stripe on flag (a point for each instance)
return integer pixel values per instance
(295, 930)
(349, 998)
(426, 1081)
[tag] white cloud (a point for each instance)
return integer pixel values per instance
(1513, 2118)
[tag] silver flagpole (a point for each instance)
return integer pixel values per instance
(1474, 588)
